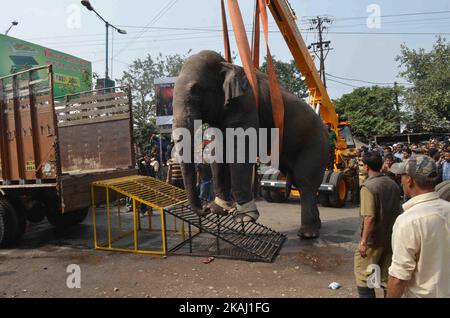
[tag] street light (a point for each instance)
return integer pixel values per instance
(14, 23)
(88, 5)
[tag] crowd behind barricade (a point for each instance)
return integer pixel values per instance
(161, 165)
(355, 175)
(405, 218)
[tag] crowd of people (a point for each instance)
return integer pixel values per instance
(409, 243)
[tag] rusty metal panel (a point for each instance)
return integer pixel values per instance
(98, 146)
(27, 124)
(75, 190)
(94, 131)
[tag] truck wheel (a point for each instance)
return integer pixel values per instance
(266, 195)
(66, 220)
(12, 224)
(339, 195)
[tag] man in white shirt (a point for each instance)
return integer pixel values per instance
(421, 235)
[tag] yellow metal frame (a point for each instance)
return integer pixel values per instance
(154, 193)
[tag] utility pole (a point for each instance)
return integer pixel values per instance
(321, 48)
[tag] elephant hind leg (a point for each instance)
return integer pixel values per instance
(307, 176)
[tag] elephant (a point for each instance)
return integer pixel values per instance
(218, 93)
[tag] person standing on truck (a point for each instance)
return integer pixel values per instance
(380, 206)
(333, 145)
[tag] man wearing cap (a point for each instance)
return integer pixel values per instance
(380, 206)
(421, 235)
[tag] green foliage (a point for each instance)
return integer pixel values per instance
(372, 111)
(288, 76)
(140, 77)
(428, 100)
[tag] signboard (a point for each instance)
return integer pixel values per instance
(71, 74)
(164, 88)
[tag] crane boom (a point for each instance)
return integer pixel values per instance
(319, 99)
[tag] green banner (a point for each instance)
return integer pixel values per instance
(71, 74)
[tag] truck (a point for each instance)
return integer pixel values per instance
(53, 147)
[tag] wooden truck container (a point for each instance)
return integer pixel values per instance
(51, 150)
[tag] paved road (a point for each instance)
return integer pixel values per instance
(37, 267)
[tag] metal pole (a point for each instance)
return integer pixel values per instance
(9, 29)
(107, 53)
(322, 59)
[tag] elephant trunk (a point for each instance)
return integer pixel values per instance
(184, 120)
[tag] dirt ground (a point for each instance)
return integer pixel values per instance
(37, 267)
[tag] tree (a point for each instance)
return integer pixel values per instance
(140, 77)
(288, 76)
(428, 100)
(372, 111)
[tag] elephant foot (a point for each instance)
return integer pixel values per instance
(220, 207)
(246, 213)
(308, 233)
(202, 211)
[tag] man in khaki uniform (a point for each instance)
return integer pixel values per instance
(351, 176)
(380, 206)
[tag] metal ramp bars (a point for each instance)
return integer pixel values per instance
(251, 242)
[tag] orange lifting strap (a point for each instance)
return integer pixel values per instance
(250, 64)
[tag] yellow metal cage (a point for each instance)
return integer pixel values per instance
(140, 191)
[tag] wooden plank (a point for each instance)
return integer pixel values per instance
(95, 113)
(91, 105)
(96, 97)
(94, 120)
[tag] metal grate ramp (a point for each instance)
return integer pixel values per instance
(252, 241)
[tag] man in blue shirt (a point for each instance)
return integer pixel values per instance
(446, 166)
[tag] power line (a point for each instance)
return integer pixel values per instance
(346, 84)
(397, 15)
(158, 16)
(363, 81)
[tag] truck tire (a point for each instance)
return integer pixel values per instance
(266, 195)
(322, 197)
(12, 224)
(66, 220)
(339, 195)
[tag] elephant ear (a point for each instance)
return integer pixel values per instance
(235, 82)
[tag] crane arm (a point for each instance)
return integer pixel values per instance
(285, 19)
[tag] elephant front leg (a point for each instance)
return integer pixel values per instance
(222, 204)
(241, 184)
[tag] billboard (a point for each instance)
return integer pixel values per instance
(164, 88)
(71, 74)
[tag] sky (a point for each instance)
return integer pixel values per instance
(360, 52)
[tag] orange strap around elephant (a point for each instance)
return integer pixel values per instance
(249, 64)
(226, 37)
(276, 97)
(243, 47)
(256, 37)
